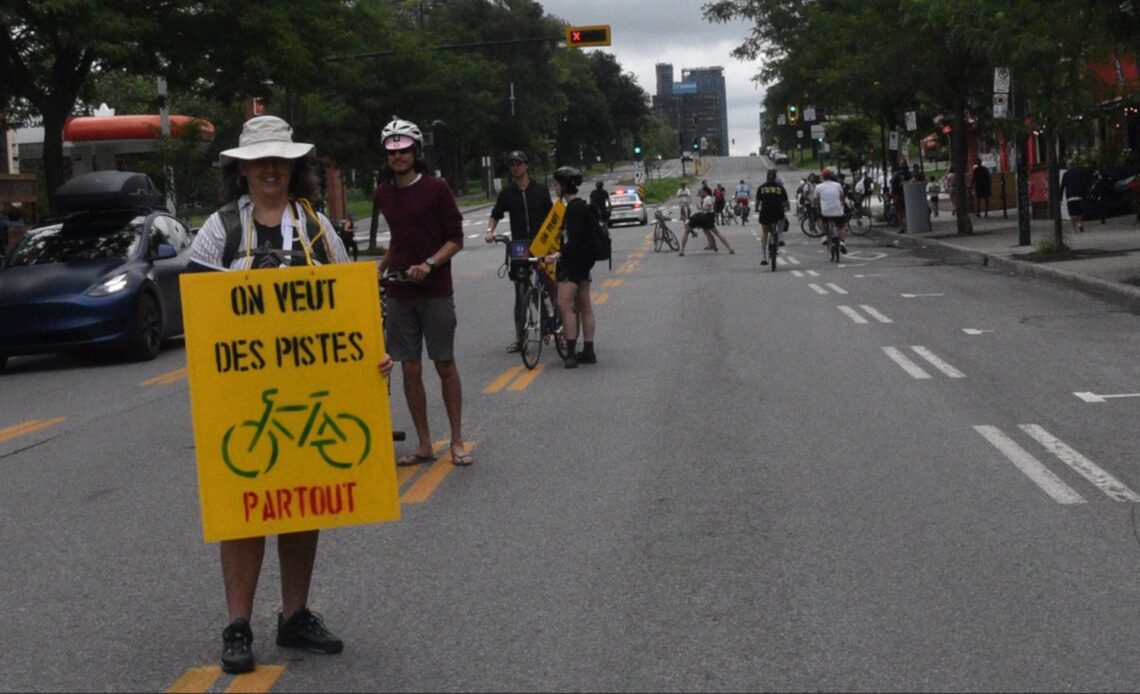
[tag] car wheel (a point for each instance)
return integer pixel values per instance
(144, 340)
(644, 221)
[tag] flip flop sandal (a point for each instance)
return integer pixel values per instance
(514, 347)
(414, 459)
(462, 460)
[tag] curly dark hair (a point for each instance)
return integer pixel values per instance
(303, 183)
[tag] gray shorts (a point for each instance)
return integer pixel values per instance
(412, 322)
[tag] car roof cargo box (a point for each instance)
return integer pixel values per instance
(107, 190)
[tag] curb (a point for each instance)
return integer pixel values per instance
(1114, 292)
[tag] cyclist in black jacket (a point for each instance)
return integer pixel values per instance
(527, 203)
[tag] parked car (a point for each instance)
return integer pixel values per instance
(779, 157)
(626, 206)
(104, 275)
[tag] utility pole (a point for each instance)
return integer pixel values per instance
(1024, 209)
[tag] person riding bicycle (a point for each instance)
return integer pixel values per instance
(828, 200)
(527, 203)
(600, 199)
(574, 264)
(743, 193)
(771, 204)
(684, 200)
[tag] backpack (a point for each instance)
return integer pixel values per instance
(600, 243)
(231, 221)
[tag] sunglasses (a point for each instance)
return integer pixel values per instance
(406, 150)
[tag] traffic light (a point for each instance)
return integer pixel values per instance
(696, 143)
(580, 37)
(637, 151)
(793, 114)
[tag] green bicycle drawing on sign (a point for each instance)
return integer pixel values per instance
(251, 448)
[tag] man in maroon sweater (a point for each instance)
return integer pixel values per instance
(427, 230)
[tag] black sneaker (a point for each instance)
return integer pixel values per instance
(584, 358)
(571, 362)
(782, 242)
(843, 248)
(237, 647)
(306, 630)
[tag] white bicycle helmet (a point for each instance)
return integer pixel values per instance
(401, 134)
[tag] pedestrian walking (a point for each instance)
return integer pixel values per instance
(575, 260)
(982, 189)
(427, 231)
(1074, 189)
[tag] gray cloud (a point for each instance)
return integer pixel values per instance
(647, 32)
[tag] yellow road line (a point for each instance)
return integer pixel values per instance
(408, 472)
(503, 379)
(612, 283)
(431, 479)
(169, 377)
(28, 427)
(601, 298)
(525, 380)
(196, 679)
(260, 680)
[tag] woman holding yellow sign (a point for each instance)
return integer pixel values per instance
(267, 221)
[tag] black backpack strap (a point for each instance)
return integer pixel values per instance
(231, 222)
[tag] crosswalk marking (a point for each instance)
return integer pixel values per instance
(907, 365)
(852, 314)
(797, 273)
(817, 289)
(836, 288)
(875, 314)
(1030, 466)
(1092, 472)
(936, 362)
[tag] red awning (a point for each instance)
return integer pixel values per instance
(99, 128)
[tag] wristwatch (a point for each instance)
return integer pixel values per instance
(430, 263)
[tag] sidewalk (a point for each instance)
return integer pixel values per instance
(1104, 261)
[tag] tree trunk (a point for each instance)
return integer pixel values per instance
(959, 157)
(54, 120)
(1055, 194)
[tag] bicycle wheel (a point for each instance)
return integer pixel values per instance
(658, 237)
(671, 239)
(860, 223)
(520, 309)
(810, 227)
(532, 329)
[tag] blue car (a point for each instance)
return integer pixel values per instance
(102, 278)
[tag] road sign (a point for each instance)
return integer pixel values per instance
(911, 121)
(1001, 80)
(639, 177)
(781, 120)
(893, 141)
(1001, 105)
(809, 113)
(580, 37)
(817, 130)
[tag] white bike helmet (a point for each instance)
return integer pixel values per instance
(401, 134)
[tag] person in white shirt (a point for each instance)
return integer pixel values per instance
(684, 199)
(828, 201)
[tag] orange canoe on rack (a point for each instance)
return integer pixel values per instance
(101, 128)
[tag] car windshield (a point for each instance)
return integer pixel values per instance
(81, 238)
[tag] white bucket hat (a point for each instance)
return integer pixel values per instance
(266, 136)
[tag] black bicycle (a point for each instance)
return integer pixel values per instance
(860, 220)
(833, 242)
(540, 323)
(662, 235)
(809, 221)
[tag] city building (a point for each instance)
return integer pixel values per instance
(696, 107)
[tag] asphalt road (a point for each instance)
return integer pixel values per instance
(876, 476)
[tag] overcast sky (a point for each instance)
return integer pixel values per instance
(647, 32)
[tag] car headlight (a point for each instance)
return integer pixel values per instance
(112, 285)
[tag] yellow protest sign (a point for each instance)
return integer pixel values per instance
(549, 236)
(292, 428)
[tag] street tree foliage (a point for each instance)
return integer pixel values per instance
(882, 58)
(337, 70)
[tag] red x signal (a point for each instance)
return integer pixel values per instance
(579, 37)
